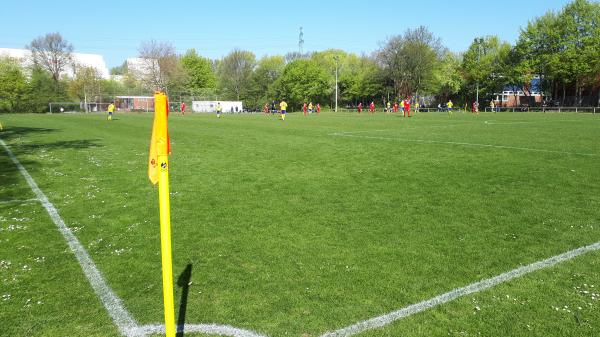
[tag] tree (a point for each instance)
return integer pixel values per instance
(486, 63)
(40, 90)
(360, 79)
(119, 70)
(267, 71)
(85, 84)
(580, 32)
(235, 72)
(199, 72)
(448, 77)
(536, 51)
(51, 52)
(302, 81)
(161, 67)
(563, 49)
(410, 60)
(12, 85)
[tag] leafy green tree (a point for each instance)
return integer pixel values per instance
(119, 70)
(85, 84)
(199, 71)
(12, 85)
(562, 48)
(580, 32)
(42, 89)
(267, 71)
(234, 72)
(302, 81)
(448, 77)
(485, 63)
(360, 80)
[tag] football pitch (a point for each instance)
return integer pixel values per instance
(330, 225)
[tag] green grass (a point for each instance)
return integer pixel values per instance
(293, 231)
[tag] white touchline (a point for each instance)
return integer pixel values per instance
(349, 134)
(113, 304)
(393, 316)
(123, 320)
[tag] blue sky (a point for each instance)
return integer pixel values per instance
(116, 29)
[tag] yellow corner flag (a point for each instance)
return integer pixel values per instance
(158, 171)
(159, 143)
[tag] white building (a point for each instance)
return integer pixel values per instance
(211, 106)
(88, 60)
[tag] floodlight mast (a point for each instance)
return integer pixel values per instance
(478, 41)
(336, 58)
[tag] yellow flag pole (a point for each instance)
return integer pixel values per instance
(160, 105)
(165, 244)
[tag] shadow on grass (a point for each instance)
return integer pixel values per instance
(12, 182)
(184, 282)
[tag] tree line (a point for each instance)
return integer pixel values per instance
(560, 51)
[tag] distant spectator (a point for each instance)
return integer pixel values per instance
(219, 109)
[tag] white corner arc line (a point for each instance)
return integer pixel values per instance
(347, 134)
(112, 303)
(120, 316)
(18, 201)
(410, 310)
(222, 330)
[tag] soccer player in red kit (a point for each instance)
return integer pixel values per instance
(182, 107)
(406, 108)
(395, 106)
(360, 107)
(305, 109)
(318, 108)
(372, 107)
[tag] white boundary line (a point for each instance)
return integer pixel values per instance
(18, 201)
(113, 304)
(120, 316)
(222, 330)
(393, 316)
(352, 135)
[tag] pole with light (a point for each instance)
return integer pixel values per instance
(336, 58)
(479, 42)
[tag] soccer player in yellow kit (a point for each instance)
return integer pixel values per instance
(111, 109)
(450, 105)
(283, 108)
